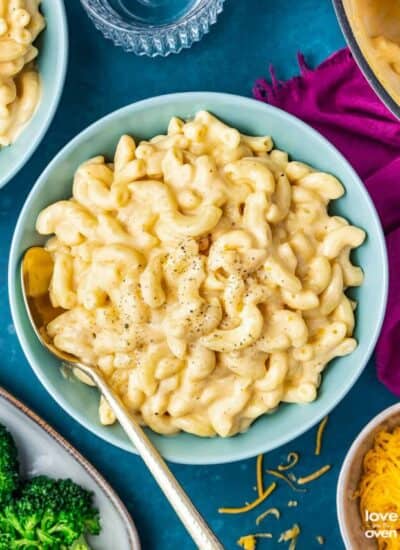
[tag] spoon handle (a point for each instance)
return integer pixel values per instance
(179, 500)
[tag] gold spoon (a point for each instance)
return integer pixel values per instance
(36, 273)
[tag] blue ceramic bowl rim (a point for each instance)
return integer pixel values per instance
(240, 453)
(60, 75)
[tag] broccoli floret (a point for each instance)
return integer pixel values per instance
(50, 515)
(9, 467)
(79, 544)
(5, 541)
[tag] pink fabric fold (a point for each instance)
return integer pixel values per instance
(337, 101)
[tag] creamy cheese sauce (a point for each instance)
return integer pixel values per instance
(376, 25)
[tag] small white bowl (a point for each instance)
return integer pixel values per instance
(348, 512)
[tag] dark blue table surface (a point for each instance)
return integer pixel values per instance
(249, 35)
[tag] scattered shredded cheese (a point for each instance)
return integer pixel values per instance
(249, 542)
(270, 512)
(292, 460)
(292, 535)
(314, 475)
(284, 478)
(251, 505)
(259, 473)
(320, 432)
(379, 488)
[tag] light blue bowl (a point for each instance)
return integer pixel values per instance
(149, 118)
(52, 62)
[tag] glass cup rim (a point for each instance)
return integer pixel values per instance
(120, 25)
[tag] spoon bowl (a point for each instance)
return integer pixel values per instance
(36, 272)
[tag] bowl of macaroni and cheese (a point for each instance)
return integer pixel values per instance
(372, 31)
(218, 261)
(33, 60)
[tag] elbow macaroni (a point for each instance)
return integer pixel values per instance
(20, 24)
(202, 314)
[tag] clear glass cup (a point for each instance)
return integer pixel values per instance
(153, 27)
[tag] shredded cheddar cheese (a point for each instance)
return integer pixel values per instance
(284, 478)
(249, 542)
(259, 474)
(320, 432)
(290, 535)
(270, 512)
(379, 489)
(251, 505)
(314, 475)
(292, 460)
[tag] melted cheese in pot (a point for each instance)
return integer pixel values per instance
(376, 26)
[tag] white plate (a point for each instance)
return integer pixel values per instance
(43, 451)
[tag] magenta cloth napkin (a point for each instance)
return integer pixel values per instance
(337, 101)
